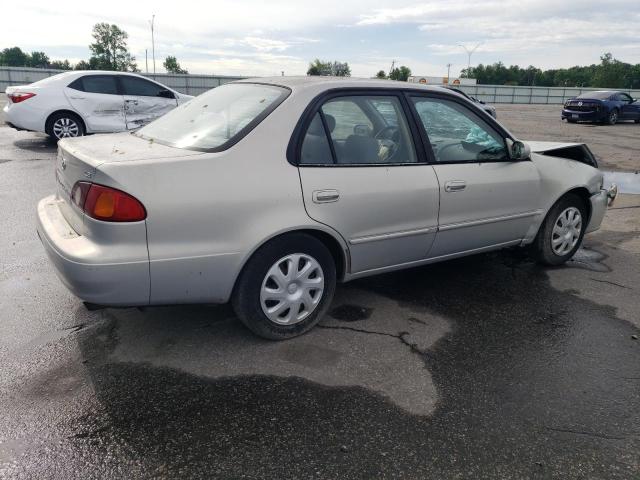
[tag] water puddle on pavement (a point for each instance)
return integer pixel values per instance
(628, 182)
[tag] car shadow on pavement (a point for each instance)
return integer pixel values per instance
(530, 382)
(36, 143)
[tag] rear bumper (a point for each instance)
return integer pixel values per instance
(80, 262)
(592, 116)
(22, 116)
(599, 202)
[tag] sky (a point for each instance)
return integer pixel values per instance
(253, 37)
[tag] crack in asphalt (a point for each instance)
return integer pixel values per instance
(611, 283)
(587, 433)
(399, 336)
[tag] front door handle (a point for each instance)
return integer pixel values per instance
(325, 196)
(455, 186)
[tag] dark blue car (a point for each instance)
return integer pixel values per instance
(608, 106)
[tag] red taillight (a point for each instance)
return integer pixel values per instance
(106, 203)
(18, 97)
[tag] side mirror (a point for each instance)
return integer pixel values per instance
(166, 94)
(519, 150)
(362, 130)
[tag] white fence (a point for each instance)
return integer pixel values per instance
(544, 95)
(189, 84)
(197, 84)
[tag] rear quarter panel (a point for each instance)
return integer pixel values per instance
(207, 214)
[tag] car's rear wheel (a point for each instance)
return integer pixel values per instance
(562, 231)
(612, 118)
(64, 125)
(286, 287)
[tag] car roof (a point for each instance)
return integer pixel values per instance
(302, 82)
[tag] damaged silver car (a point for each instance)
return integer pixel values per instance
(268, 192)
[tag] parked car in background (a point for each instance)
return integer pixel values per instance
(73, 104)
(490, 109)
(269, 191)
(608, 106)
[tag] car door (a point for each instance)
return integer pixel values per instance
(98, 101)
(144, 100)
(628, 109)
(486, 199)
(361, 175)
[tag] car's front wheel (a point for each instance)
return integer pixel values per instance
(561, 232)
(286, 287)
(612, 119)
(64, 125)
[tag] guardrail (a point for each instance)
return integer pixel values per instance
(196, 84)
(187, 83)
(537, 95)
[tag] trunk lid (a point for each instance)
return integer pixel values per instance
(79, 158)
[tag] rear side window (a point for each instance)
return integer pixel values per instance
(105, 84)
(140, 87)
(315, 146)
(362, 129)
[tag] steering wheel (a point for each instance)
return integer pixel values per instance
(389, 137)
(443, 148)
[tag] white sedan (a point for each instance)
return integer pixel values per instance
(73, 104)
(267, 192)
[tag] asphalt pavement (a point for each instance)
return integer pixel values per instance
(485, 367)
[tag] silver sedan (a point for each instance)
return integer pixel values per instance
(268, 192)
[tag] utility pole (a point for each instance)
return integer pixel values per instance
(393, 64)
(146, 60)
(448, 71)
(153, 44)
(469, 53)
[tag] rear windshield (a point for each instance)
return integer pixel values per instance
(216, 118)
(596, 95)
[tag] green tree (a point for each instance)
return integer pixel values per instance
(61, 65)
(171, 65)
(14, 57)
(38, 60)
(110, 51)
(328, 68)
(401, 74)
(82, 65)
(381, 74)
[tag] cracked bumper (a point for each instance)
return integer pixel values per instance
(599, 202)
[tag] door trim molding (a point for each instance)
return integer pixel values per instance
(388, 236)
(485, 221)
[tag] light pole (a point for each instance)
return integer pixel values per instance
(153, 44)
(448, 72)
(469, 53)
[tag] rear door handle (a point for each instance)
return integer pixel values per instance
(455, 186)
(325, 196)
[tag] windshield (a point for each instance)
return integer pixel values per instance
(597, 95)
(216, 117)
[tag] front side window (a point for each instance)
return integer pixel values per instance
(140, 87)
(105, 84)
(219, 116)
(457, 134)
(362, 130)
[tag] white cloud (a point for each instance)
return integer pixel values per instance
(255, 37)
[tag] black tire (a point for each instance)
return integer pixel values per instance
(569, 120)
(71, 118)
(246, 295)
(613, 117)
(637, 120)
(541, 247)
